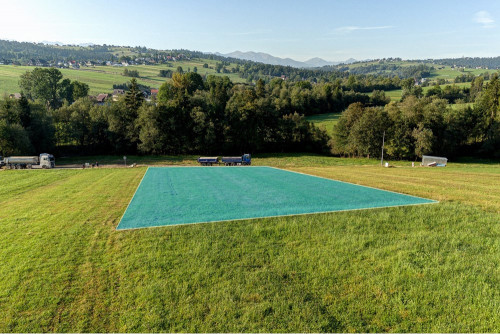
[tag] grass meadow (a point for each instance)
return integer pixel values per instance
(396, 94)
(439, 72)
(102, 78)
(431, 268)
(325, 121)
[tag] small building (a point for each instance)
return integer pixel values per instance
(101, 98)
(16, 96)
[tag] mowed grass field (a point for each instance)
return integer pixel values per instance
(102, 78)
(431, 268)
(396, 94)
(440, 71)
(325, 121)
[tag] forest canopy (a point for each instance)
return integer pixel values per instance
(212, 115)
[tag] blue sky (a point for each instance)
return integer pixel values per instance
(333, 30)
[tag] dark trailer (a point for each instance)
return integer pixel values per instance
(208, 161)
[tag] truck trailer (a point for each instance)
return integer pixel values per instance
(245, 159)
(44, 161)
(208, 161)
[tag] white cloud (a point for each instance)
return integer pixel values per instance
(484, 18)
(349, 29)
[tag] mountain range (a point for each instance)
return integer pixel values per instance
(259, 57)
(266, 58)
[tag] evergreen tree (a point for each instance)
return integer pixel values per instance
(133, 98)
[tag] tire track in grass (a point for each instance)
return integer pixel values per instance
(18, 182)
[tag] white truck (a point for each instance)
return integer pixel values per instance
(44, 161)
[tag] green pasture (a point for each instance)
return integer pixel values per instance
(280, 160)
(439, 72)
(102, 78)
(430, 268)
(395, 95)
(462, 105)
(450, 74)
(325, 121)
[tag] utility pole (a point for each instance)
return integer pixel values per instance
(383, 142)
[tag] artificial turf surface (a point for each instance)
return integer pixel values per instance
(187, 195)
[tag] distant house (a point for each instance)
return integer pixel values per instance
(154, 92)
(117, 93)
(101, 98)
(16, 96)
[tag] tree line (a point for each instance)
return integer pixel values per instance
(22, 52)
(212, 115)
(421, 125)
(391, 70)
(471, 62)
(190, 115)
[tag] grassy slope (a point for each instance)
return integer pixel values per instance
(101, 78)
(395, 95)
(446, 73)
(422, 268)
(326, 121)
